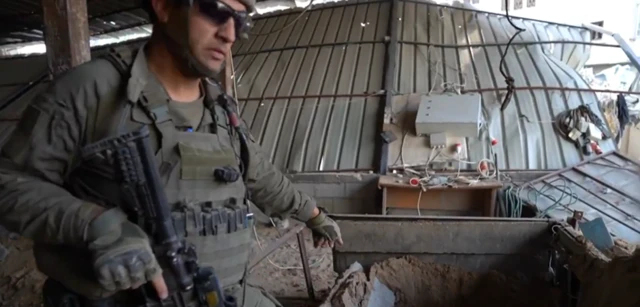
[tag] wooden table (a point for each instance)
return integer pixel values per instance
(457, 199)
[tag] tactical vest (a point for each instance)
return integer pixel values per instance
(209, 211)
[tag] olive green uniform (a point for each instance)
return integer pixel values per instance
(50, 196)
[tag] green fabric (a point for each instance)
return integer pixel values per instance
(126, 262)
(187, 114)
(325, 227)
(40, 158)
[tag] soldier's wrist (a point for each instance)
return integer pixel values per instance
(317, 220)
(105, 228)
(307, 212)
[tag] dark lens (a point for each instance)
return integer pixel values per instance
(243, 24)
(219, 13)
(216, 11)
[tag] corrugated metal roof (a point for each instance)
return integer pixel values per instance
(605, 187)
(308, 91)
(21, 20)
(340, 50)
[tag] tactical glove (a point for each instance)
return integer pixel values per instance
(325, 230)
(122, 255)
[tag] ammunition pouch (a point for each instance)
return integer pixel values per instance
(221, 233)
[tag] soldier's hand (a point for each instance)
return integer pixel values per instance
(325, 230)
(122, 255)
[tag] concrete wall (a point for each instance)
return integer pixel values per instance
(341, 193)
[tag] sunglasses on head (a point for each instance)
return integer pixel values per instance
(219, 12)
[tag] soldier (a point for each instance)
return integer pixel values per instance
(69, 207)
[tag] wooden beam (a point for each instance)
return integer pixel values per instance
(66, 34)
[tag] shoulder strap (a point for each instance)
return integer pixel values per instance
(116, 59)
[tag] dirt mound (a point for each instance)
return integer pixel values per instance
(20, 281)
(417, 283)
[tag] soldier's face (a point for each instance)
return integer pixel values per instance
(212, 30)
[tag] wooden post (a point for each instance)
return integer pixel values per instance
(66, 34)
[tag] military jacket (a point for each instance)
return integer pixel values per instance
(50, 195)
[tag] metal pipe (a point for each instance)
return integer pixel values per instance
(560, 171)
(480, 90)
(549, 197)
(550, 88)
(364, 95)
(332, 171)
(11, 98)
(598, 29)
(589, 191)
(272, 247)
(628, 51)
(311, 46)
(530, 43)
(389, 85)
(305, 266)
(505, 44)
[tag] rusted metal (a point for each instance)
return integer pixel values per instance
(592, 193)
(363, 95)
(66, 34)
(550, 88)
(589, 160)
(305, 265)
(273, 247)
(14, 96)
(589, 183)
(530, 43)
(295, 231)
(336, 44)
(481, 90)
(604, 213)
(613, 188)
(362, 42)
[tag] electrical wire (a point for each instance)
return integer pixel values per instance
(568, 120)
(508, 79)
(510, 204)
(511, 199)
(566, 195)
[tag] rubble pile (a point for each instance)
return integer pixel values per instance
(418, 283)
(20, 281)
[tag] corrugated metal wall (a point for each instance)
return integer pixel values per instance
(338, 51)
(326, 53)
(440, 45)
(309, 84)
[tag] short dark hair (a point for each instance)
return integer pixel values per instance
(147, 7)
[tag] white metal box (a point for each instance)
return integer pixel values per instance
(451, 114)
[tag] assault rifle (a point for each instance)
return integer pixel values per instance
(135, 167)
